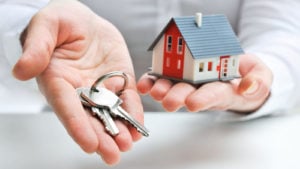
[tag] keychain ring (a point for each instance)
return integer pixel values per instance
(107, 76)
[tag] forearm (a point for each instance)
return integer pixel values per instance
(17, 13)
(15, 16)
(270, 30)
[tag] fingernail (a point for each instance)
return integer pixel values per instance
(252, 88)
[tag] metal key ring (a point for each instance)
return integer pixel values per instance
(107, 76)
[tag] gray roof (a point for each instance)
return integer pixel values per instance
(214, 38)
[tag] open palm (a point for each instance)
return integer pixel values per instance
(67, 46)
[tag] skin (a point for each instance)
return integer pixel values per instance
(66, 46)
(64, 50)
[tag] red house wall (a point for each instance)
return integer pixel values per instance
(173, 59)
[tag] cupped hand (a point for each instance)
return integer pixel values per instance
(66, 46)
(243, 95)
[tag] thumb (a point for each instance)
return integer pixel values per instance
(38, 41)
(256, 80)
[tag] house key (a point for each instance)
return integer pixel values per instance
(106, 98)
(113, 102)
(106, 105)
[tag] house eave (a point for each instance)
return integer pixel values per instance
(193, 82)
(159, 36)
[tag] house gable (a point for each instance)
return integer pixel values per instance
(173, 52)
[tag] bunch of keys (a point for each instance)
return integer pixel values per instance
(105, 104)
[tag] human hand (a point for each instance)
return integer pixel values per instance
(243, 95)
(66, 46)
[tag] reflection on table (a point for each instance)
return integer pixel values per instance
(177, 141)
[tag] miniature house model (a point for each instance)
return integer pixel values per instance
(196, 49)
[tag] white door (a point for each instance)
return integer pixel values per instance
(225, 71)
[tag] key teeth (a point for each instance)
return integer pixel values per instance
(144, 132)
(111, 133)
(105, 123)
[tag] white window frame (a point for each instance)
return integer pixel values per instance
(179, 46)
(169, 43)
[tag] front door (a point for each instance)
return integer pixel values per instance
(224, 65)
(173, 52)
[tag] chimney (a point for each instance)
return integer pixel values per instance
(198, 19)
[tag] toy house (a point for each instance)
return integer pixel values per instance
(196, 49)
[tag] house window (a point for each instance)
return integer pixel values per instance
(178, 64)
(180, 45)
(233, 62)
(168, 62)
(169, 43)
(201, 67)
(210, 65)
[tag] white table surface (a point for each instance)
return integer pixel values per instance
(177, 141)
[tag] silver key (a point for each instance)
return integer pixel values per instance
(105, 97)
(101, 112)
(109, 124)
(120, 112)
